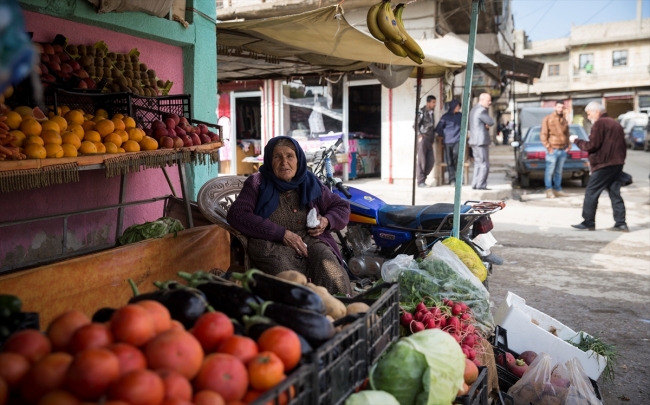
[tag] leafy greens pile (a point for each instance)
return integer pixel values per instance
(149, 230)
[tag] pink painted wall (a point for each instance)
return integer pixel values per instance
(37, 240)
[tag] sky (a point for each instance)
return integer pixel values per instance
(548, 19)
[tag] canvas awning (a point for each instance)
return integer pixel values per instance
(317, 41)
(525, 70)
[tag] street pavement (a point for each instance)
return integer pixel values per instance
(596, 281)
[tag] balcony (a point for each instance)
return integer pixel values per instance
(612, 77)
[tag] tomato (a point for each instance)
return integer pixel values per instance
(30, 343)
(130, 357)
(211, 329)
(176, 401)
(91, 336)
(63, 327)
(4, 391)
(133, 324)
(139, 387)
(284, 342)
(58, 397)
(175, 325)
(13, 367)
(207, 397)
(224, 374)
(91, 372)
(251, 396)
(176, 386)
(45, 376)
(242, 347)
(265, 371)
(162, 320)
(175, 350)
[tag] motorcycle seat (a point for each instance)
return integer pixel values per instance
(416, 216)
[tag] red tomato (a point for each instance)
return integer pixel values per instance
(211, 329)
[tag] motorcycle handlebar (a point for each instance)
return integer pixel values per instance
(343, 190)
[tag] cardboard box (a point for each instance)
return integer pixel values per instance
(530, 329)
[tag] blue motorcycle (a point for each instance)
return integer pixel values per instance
(378, 231)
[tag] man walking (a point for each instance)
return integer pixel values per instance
(426, 127)
(607, 151)
(449, 129)
(479, 139)
(555, 138)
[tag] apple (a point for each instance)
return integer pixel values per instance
(54, 58)
(82, 85)
(166, 142)
(47, 48)
(45, 58)
(195, 139)
(57, 48)
(63, 56)
(214, 137)
(187, 141)
(53, 66)
(183, 120)
(158, 133)
(203, 128)
(81, 73)
(171, 133)
(173, 116)
(170, 123)
(90, 82)
(38, 70)
(205, 138)
(75, 65)
(48, 77)
(148, 131)
(178, 142)
(44, 68)
(66, 68)
(158, 124)
(179, 131)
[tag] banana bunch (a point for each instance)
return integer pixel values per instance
(385, 24)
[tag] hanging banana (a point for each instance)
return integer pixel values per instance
(387, 23)
(411, 46)
(396, 49)
(415, 58)
(371, 21)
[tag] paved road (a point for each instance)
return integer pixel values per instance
(598, 281)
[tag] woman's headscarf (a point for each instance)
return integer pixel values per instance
(271, 187)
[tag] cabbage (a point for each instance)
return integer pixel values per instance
(371, 398)
(425, 368)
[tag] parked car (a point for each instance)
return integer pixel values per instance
(530, 158)
(636, 137)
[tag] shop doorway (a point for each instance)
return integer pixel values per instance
(364, 130)
(616, 106)
(246, 130)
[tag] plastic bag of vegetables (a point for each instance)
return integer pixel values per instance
(149, 230)
(467, 256)
(423, 369)
(371, 398)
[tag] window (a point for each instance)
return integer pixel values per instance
(587, 61)
(619, 58)
(553, 70)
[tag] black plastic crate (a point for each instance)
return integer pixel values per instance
(112, 103)
(478, 392)
(145, 110)
(20, 321)
(296, 389)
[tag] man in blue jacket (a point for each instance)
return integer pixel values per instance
(449, 129)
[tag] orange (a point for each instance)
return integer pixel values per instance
(50, 136)
(110, 147)
(92, 136)
(35, 151)
(120, 150)
(97, 118)
(74, 117)
(87, 147)
(77, 130)
(88, 116)
(33, 139)
(13, 120)
(135, 134)
(131, 146)
(31, 127)
(118, 116)
(24, 111)
(72, 139)
(101, 113)
(100, 147)
(88, 125)
(113, 138)
(129, 122)
(69, 150)
(51, 125)
(123, 135)
(63, 110)
(63, 124)
(53, 150)
(148, 143)
(19, 138)
(104, 127)
(119, 124)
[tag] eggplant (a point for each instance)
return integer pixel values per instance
(229, 298)
(280, 291)
(103, 315)
(314, 327)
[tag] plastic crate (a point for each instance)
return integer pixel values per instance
(112, 103)
(296, 389)
(145, 110)
(506, 378)
(21, 321)
(478, 392)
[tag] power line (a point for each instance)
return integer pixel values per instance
(592, 17)
(542, 17)
(529, 14)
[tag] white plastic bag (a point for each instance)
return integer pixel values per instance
(391, 268)
(536, 385)
(312, 219)
(581, 392)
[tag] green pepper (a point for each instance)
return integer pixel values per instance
(11, 303)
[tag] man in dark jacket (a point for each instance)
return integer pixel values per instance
(607, 151)
(479, 139)
(426, 126)
(449, 129)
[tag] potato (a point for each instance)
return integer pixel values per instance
(333, 307)
(293, 276)
(357, 308)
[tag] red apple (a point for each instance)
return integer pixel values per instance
(38, 70)
(81, 73)
(170, 123)
(48, 77)
(158, 124)
(63, 56)
(44, 68)
(205, 138)
(166, 142)
(38, 47)
(187, 141)
(45, 58)
(53, 66)
(90, 82)
(82, 85)
(47, 48)
(148, 131)
(203, 128)
(57, 48)
(178, 142)
(171, 133)
(195, 139)
(179, 131)
(214, 137)
(75, 65)
(54, 58)
(183, 120)
(159, 133)
(66, 68)
(175, 117)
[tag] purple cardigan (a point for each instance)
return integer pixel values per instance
(241, 214)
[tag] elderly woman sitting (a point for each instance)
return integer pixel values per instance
(272, 211)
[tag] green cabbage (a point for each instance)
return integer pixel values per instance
(371, 398)
(149, 230)
(425, 368)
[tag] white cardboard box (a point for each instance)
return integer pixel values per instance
(530, 329)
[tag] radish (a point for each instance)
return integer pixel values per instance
(470, 340)
(406, 319)
(509, 359)
(456, 336)
(417, 327)
(442, 322)
(456, 310)
(472, 354)
(463, 307)
(420, 307)
(430, 324)
(448, 302)
(518, 368)
(465, 352)
(528, 356)
(477, 362)
(436, 312)
(453, 323)
(469, 328)
(465, 316)
(426, 316)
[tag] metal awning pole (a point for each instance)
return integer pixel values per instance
(469, 72)
(418, 88)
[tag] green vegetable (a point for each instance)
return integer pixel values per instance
(423, 369)
(596, 345)
(10, 304)
(149, 230)
(371, 398)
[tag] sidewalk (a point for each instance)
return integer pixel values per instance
(400, 191)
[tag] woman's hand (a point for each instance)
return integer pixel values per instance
(295, 242)
(324, 223)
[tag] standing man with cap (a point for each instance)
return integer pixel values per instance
(449, 129)
(479, 139)
(426, 127)
(555, 138)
